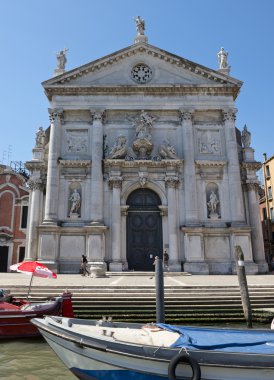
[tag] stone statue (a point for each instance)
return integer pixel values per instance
(61, 59)
(144, 126)
(119, 150)
(140, 26)
(212, 203)
(246, 137)
(40, 138)
(222, 58)
(166, 150)
(75, 202)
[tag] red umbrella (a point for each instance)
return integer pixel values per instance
(34, 269)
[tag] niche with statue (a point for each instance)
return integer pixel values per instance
(74, 200)
(213, 201)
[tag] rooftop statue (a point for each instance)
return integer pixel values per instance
(222, 58)
(61, 59)
(246, 137)
(40, 138)
(140, 25)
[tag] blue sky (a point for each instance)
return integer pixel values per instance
(33, 31)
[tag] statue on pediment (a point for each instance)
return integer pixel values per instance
(40, 138)
(246, 137)
(222, 58)
(119, 150)
(166, 150)
(61, 59)
(140, 26)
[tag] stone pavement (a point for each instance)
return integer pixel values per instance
(126, 279)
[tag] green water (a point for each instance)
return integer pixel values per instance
(31, 359)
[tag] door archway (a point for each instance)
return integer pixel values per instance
(144, 230)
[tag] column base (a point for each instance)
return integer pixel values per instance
(250, 268)
(174, 267)
(49, 222)
(116, 267)
(196, 267)
(98, 269)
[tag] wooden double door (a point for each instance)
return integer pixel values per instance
(144, 230)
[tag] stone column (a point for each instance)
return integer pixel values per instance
(36, 187)
(191, 202)
(256, 232)
(51, 205)
(97, 172)
(116, 184)
(171, 184)
(236, 205)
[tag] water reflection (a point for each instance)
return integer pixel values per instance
(30, 359)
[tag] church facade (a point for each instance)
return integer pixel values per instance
(143, 156)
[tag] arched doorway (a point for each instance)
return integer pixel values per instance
(144, 230)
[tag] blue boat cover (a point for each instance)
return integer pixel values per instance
(228, 340)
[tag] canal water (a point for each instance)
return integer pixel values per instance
(31, 359)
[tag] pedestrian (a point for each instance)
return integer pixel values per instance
(83, 266)
(165, 260)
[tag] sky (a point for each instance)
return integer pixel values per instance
(32, 32)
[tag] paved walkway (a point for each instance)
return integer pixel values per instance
(126, 279)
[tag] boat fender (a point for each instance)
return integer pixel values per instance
(183, 358)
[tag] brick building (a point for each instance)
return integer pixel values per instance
(14, 199)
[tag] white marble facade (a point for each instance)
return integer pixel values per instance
(144, 120)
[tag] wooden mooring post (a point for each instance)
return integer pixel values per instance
(240, 267)
(159, 287)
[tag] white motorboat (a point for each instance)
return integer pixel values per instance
(111, 350)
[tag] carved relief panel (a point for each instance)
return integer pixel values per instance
(76, 141)
(209, 142)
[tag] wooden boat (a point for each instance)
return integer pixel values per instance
(106, 350)
(16, 314)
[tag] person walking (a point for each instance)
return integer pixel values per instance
(83, 267)
(165, 260)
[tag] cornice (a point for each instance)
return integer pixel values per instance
(160, 90)
(75, 163)
(253, 165)
(210, 163)
(36, 165)
(109, 163)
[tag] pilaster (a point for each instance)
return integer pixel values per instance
(96, 172)
(256, 231)
(51, 205)
(234, 178)
(191, 202)
(36, 186)
(115, 183)
(171, 184)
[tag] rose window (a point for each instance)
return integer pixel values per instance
(141, 73)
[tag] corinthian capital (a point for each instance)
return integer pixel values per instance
(97, 114)
(172, 181)
(186, 115)
(229, 115)
(56, 115)
(35, 184)
(115, 182)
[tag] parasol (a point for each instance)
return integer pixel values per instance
(33, 268)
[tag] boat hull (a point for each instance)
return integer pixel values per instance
(95, 359)
(16, 323)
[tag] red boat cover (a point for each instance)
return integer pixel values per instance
(5, 306)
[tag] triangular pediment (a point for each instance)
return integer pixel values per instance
(125, 68)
